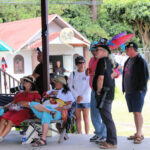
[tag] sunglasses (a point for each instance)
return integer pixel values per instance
(25, 80)
(80, 62)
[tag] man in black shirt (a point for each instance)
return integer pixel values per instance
(103, 79)
(59, 70)
(38, 72)
(135, 78)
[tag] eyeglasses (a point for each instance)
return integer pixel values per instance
(99, 49)
(80, 62)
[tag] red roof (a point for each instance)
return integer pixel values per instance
(16, 33)
(51, 37)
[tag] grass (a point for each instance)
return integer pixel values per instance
(123, 119)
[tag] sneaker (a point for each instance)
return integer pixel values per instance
(100, 140)
(94, 138)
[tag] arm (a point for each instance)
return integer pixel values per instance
(100, 81)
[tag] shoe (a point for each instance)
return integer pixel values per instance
(100, 140)
(94, 138)
(106, 145)
(1, 139)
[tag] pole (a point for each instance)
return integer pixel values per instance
(45, 43)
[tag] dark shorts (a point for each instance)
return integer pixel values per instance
(83, 105)
(135, 101)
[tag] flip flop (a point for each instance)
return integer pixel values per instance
(39, 143)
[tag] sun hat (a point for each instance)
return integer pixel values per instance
(29, 78)
(60, 79)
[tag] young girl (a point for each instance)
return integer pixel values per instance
(80, 88)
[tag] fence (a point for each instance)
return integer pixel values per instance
(6, 82)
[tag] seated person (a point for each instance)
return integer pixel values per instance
(44, 111)
(17, 113)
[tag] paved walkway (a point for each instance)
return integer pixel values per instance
(75, 142)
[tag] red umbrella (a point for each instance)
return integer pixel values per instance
(121, 40)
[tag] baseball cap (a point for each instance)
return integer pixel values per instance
(92, 46)
(132, 44)
(39, 49)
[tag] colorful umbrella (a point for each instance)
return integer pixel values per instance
(4, 47)
(119, 40)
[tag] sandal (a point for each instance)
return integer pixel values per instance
(106, 145)
(132, 137)
(39, 143)
(138, 140)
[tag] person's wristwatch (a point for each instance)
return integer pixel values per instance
(98, 92)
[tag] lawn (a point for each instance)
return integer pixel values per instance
(124, 120)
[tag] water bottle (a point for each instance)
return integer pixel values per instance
(24, 138)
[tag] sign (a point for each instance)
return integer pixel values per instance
(66, 35)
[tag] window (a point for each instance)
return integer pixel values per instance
(18, 64)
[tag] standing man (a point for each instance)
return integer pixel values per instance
(38, 71)
(99, 126)
(135, 77)
(102, 80)
(59, 70)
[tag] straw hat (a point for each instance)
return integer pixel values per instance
(29, 78)
(60, 79)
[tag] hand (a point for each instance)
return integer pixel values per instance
(88, 71)
(24, 103)
(79, 99)
(54, 93)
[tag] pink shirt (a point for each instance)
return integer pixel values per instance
(92, 66)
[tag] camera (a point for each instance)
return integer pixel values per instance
(17, 88)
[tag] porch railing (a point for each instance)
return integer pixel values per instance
(6, 82)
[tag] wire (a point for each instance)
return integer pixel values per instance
(38, 2)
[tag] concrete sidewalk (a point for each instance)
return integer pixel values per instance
(75, 142)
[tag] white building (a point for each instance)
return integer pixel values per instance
(24, 36)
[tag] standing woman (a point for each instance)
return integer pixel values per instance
(17, 113)
(79, 86)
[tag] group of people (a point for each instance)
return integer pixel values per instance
(93, 91)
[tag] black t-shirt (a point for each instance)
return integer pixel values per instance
(59, 71)
(104, 67)
(39, 80)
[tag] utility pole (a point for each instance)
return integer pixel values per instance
(45, 43)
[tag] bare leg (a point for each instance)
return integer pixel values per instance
(45, 128)
(86, 119)
(138, 123)
(44, 134)
(41, 108)
(2, 125)
(7, 129)
(78, 117)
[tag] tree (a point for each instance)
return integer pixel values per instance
(135, 13)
